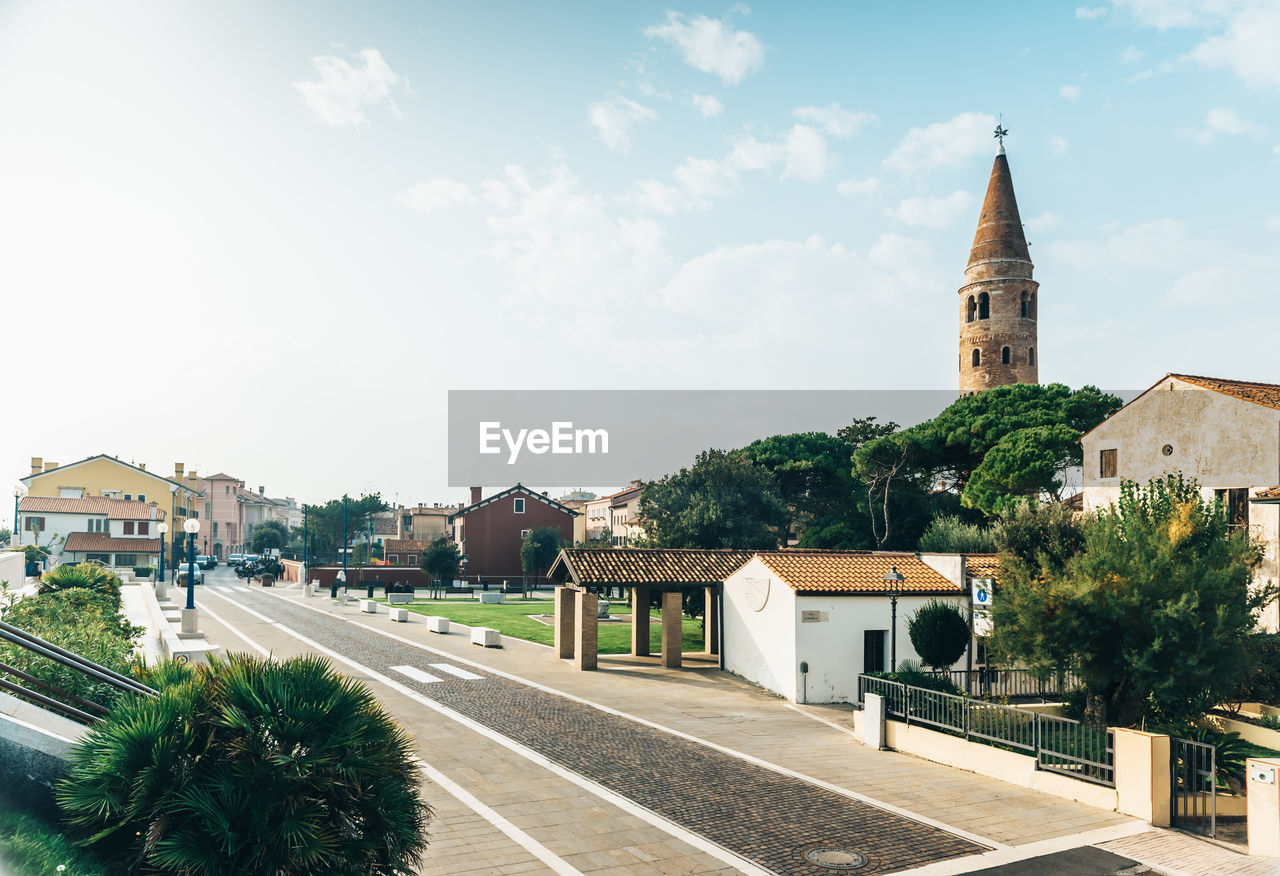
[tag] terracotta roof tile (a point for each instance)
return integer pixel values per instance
(1269, 493)
(628, 566)
(981, 565)
(114, 509)
(817, 571)
(101, 542)
(1265, 394)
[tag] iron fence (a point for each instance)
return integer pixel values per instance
(1012, 683)
(1195, 787)
(1059, 745)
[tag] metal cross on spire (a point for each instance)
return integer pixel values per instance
(1001, 131)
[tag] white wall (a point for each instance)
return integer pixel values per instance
(760, 645)
(12, 568)
(59, 524)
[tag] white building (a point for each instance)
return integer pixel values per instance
(1223, 433)
(828, 610)
(118, 532)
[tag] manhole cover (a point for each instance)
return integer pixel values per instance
(836, 859)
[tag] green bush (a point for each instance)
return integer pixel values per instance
(249, 766)
(82, 621)
(939, 632)
(28, 845)
(1262, 666)
(912, 674)
(948, 534)
(83, 575)
(143, 571)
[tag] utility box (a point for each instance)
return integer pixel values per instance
(873, 718)
(1264, 806)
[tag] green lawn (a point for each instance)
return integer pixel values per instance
(513, 619)
(29, 845)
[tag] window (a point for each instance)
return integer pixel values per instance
(873, 650)
(215, 529)
(142, 497)
(128, 527)
(227, 488)
(413, 559)
(519, 507)
(208, 509)
(126, 559)
(970, 310)
(1031, 306)
(33, 524)
(984, 306)
(1236, 503)
(1026, 308)
(1004, 356)
(71, 492)
(393, 558)
(128, 497)
(524, 533)
(1031, 355)
(144, 527)
(1107, 464)
(977, 357)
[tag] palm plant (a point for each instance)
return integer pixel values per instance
(249, 766)
(87, 575)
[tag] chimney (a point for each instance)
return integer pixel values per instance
(37, 465)
(262, 491)
(142, 465)
(177, 471)
(476, 495)
(50, 465)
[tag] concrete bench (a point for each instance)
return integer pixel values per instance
(436, 624)
(368, 606)
(399, 615)
(495, 598)
(400, 598)
(487, 637)
(342, 596)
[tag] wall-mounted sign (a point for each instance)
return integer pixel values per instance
(982, 625)
(982, 592)
(813, 617)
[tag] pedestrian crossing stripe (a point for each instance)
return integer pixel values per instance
(455, 671)
(416, 674)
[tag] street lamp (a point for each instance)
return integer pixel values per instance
(162, 529)
(17, 495)
(191, 527)
(893, 589)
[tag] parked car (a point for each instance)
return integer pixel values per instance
(182, 571)
(235, 559)
(251, 558)
(205, 562)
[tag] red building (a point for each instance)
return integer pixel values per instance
(489, 531)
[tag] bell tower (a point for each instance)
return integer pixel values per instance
(999, 301)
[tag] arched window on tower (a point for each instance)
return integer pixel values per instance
(984, 306)
(971, 310)
(977, 357)
(1031, 305)
(1026, 305)
(1004, 356)
(1031, 355)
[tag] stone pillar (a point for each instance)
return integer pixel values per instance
(190, 628)
(564, 623)
(640, 621)
(711, 622)
(672, 629)
(1143, 775)
(1262, 781)
(586, 631)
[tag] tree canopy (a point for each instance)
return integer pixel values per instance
(441, 560)
(1151, 601)
(324, 522)
(723, 501)
(539, 550)
(269, 535)
(939, 632)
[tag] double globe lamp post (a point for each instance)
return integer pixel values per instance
(190, 624)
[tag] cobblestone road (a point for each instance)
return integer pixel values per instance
(763, 816)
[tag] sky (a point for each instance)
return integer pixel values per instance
(267, 239)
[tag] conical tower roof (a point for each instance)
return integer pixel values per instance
(999, 235)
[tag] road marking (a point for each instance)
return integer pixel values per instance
(626, 805)
(454, 670)
(526, 842)
(251, 643)
(1012, 854)
(416, 674)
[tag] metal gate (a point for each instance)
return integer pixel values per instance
(1195, 800)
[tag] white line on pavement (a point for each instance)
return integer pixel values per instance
(1031, 850)
(416, 674)
(251, 643)
(526, 842)
(454, 670)
(722, 854)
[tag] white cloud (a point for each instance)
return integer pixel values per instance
(344, 91)
(934, 212)
(1059, 145)
(658, 197)
(835, 120)
(711, 45)
(1044, 222)
(1164, 68)
(1090, 12)
(857, 188)
(807, 157)
(614, 117)
(1223, 122)
(1166, 14)
(942, 144)
(1162, 244)
(1248, 47)
(1273, 223)
(439, 194)
(706, 177)
(1069, 92)
(708, 104)
(1132, 55)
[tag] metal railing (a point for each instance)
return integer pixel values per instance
(1012, 683)
(1059, 745)
(1194, 806)
(50, 696)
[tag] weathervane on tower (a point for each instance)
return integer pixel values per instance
(1001, 131)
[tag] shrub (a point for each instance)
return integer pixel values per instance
(249, 766)
(912, 674)
(28, 845)
(939, 632)
(143, 571)
(1262, 662)
(949, 534)
(86, 575)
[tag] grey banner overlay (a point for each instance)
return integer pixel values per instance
(651, 433)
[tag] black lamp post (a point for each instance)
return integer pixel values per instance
(162, 529)
(191, 527)
(17, 495)
(893, 589)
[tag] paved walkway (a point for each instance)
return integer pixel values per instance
(1180, 855)
(657, 770)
